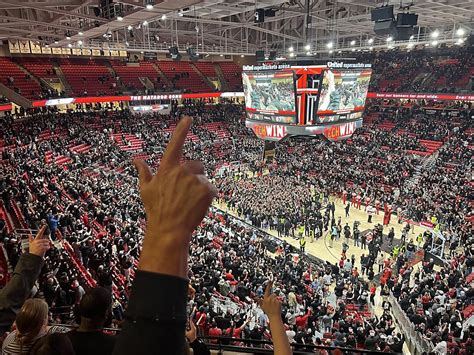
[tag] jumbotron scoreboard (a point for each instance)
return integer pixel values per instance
(287, 99)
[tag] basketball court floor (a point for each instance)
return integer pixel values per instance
(321, 248)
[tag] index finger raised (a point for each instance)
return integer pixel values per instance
(40, 233)
(268, 289)
(174, 149)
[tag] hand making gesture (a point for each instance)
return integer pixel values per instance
(39, 245)
(176, 199)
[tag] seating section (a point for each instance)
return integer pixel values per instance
(233, 74)
(207, 69)
(183, 76)
(88, 76)
(130, 73)
(128, 142)
(38, 66)
(21, 83)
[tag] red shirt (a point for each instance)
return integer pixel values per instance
(215, 332)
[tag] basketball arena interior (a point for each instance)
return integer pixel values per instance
(236, 177)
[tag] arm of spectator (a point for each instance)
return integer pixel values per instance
(26, 272)
(176, 199)
(272, 308)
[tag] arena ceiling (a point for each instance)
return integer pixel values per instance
(223, 26)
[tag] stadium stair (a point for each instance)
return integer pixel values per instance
(62, 78)
(132, 142)
(232, 74)
(221, 78)
(202, 76)
(162, 75)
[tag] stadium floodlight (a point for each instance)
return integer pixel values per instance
(56, 42)
(329, 45)
(145, 23)
(460, 32)
(69, 45)
(180, 13)
(370, 41)
(307, 47)
(291, 49)
(412, 38)
(410, 45)
(163, 17)
(221, 55)
(353, 49)
(435, 34)
(308, 53)
(353, 42)
(331, 51)
(130, 27)
(79, 43)
(434, 43)
(80, 33)
(389, 39)
(241, 56)
(119, 18)
(292, 55)
(149, 6)
(370, 48)
(460, 41)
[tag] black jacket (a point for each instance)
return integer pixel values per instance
(156, 316)
(18, 289)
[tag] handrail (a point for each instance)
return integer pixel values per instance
(243, 349)
(416, 344)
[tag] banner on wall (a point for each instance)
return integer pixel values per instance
(66, 51)
(14, 46)
(57, 50)
(46, 50)
(24, 46)
(95, 99)
(76, 51)
(86, 51)
(35, 47)
(417, 96)
(96, 52)
(122, 53)
(114, 53)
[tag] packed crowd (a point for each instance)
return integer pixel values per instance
(422, 71)
(92, 208)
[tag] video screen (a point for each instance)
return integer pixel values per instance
(270, 96)
(343, 91)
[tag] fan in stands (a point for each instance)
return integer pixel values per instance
(317, 221)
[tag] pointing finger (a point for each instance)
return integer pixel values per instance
(40, 233)
(174, 150)
(268, 289)
(144, 172)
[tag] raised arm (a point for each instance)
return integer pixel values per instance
(272, 308)
(26, 272)
(176, 200)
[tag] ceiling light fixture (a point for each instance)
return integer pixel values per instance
(130, 27)
(149, 6)
(291, 49)
(370, 41)
(389, 39)
(119, 18)
(353, 43)
(460, 32)
(329, 45)
(79, 43)
(435, 34)
(163, 17)
(80, 33)
(145, 23)
(307, 47)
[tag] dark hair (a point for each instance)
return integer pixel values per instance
(95, 303)
(53, 344)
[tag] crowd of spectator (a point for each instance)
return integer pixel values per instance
(91, 205)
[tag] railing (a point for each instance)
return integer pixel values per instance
(223, 345)
(416, 344)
